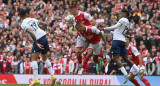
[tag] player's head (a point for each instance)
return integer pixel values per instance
(73, 10)
(22, 14)
(124, 13)
(128, 39)
(80, 27)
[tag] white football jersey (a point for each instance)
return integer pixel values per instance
(32, 24)
(119, 32)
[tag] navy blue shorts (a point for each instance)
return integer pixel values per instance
(44, 42)
(118, 47)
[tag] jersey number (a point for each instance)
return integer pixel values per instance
(33, 25)
(125, 30)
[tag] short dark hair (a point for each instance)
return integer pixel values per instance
(22, 13)
(125, 11)
(128, 38)
(78, 24)
(73, 7)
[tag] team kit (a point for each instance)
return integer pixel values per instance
(88, 37)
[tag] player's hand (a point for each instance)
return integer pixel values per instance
(107, 30)
(40, 46)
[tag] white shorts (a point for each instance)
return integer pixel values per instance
(96, 48)
(80, 42)
(133, 71)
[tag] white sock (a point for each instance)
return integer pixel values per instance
(34, 66)
(123, 70)
(48, 64)
(135, 67)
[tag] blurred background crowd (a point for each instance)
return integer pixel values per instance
(15, 45)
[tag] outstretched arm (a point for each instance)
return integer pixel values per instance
(113, 27)
(104, 40)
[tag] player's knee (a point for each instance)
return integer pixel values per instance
(131, 77)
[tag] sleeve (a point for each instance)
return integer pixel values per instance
(95, 30)
(36, 20)
(88, 16)
(135, 51)
(114, 26)
(24, 26)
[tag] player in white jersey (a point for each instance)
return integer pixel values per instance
(119, 44)
(40, 46)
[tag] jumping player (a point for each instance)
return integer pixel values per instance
(93, 36)
(134, 55)
(118, 47)
(87, 20)
(40, 46)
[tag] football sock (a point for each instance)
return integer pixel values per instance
(79, 57)
(34, 66)
(134, 81)
(123, 70)
(146, 82)
(48, 64)
(85, 62)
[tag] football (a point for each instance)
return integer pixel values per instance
(70, 19)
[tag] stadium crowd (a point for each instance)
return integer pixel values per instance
(15, 45)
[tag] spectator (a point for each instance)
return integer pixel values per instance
(76, 67)
(40, 66)
(158, 68)
(149, 67)
(27, 66)
(92, 67)
(14, 65)
(108, 67)
(143, 51)
(68, 66)
(1, 52)
(5, 66)
(20, 66)
(156, 58)
(145, 58)
(57, 67)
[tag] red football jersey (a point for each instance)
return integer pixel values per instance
(144, 51)
(10, 59)
(1, 58)
(27, 65)
(91, 34)
(83, 17)
(4, 66)
(133, 53)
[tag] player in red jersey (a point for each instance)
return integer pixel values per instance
(87, 20)
(93, 36)
(134, 55)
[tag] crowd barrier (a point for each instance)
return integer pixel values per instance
(75, 79)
